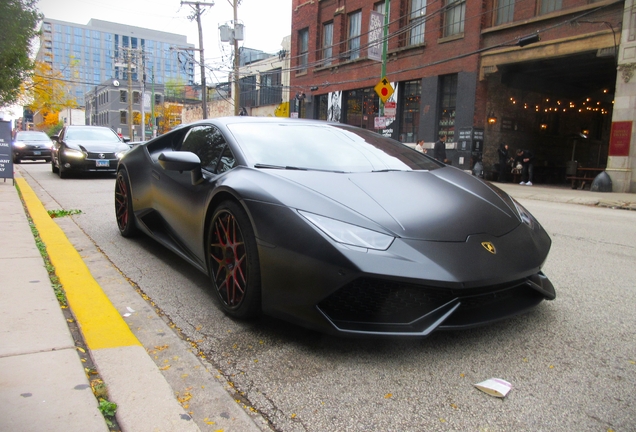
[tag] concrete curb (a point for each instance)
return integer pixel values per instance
(144, 398)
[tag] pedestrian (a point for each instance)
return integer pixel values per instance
(420, 146)
(525, 158)
(439, 150)
(504, 158)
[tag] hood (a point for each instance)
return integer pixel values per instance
(98, 146)
(441, 205)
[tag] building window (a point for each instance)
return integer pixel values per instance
(361, 107)
(123, 117)
(303, 50)
(504, 13)
(548, 6)
(136, 118)
(411, 93)
(157, 99)
(136, 97)
(454, 15)
(353, 43)
(271, 91)
(327, 43)
(123, 96)
(247, 91)
(417, 21)
(448, 104)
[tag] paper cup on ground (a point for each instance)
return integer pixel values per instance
(495, 387)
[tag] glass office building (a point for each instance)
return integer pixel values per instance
(88, 55)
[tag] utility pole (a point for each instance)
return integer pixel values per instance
(237, 99)
(131, 114)
(197, 14)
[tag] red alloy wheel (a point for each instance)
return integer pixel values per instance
(228, 259)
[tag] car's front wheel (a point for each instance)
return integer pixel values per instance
(233, 261)
(123, 205)
(53, 167)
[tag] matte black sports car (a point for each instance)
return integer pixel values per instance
(333, 227)
(80, 148)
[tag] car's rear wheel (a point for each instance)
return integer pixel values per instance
(233, 261)
(123, 205)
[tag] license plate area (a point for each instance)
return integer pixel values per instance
(102, 163)
(37, 153)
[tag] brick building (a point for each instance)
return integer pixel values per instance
(535, 74)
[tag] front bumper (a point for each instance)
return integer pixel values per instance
(32, 153)
(99, 162)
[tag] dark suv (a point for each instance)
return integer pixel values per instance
(31, 145)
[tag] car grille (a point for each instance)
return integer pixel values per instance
(99, 156)
(380, 305)
(382, 301)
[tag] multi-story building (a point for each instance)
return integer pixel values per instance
(535, 74)
(90, 55)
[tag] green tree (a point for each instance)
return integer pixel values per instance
(18, 21)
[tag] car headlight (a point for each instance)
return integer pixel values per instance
(121, 154)
(348, 234)
(73, 153)
(525, 216)
(19, 144)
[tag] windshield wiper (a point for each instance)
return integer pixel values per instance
(387, 170)
(279, 167)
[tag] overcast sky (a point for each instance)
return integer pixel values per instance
(266, 22)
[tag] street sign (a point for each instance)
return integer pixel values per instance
(379, 122)
(389, 109)
(384, 89)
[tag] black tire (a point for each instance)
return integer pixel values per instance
(16, 160)
(53, 167)
(123, 205)
(233, 264)
(61, 171)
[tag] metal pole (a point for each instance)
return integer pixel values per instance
(204, 89)
(237, 99)
(385, 44)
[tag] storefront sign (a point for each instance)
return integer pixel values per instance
(6, 158)
(620, 138)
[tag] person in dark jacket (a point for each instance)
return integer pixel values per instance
(504, 158)
(439, 150)
(525, 158)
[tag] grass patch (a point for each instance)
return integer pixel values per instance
(61, 213)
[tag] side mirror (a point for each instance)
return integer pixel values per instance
(182, 161)
(55, 138)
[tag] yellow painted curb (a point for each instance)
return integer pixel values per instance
(99, 321)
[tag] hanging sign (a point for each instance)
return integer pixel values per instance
(376, 29)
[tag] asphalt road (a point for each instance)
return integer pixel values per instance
(571, 362)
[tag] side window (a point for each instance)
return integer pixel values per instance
(227, 160)
(208, 143)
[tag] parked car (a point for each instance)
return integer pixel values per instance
(31, 145)
(333, 227)
(86, 149)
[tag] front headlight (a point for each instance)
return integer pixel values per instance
(525, 216)
(73, 153)
(348, 234)
(19, 144)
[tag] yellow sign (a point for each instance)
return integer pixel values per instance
(384, 89)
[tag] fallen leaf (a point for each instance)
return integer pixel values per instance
(166, 367)
(293, 415)
(388, 396)
(80, 349)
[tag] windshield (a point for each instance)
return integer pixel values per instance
(91, 134)
(328, 147)
(31, 136)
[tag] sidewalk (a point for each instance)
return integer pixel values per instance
(43, 385)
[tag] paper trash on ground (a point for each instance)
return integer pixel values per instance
(495, 387)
